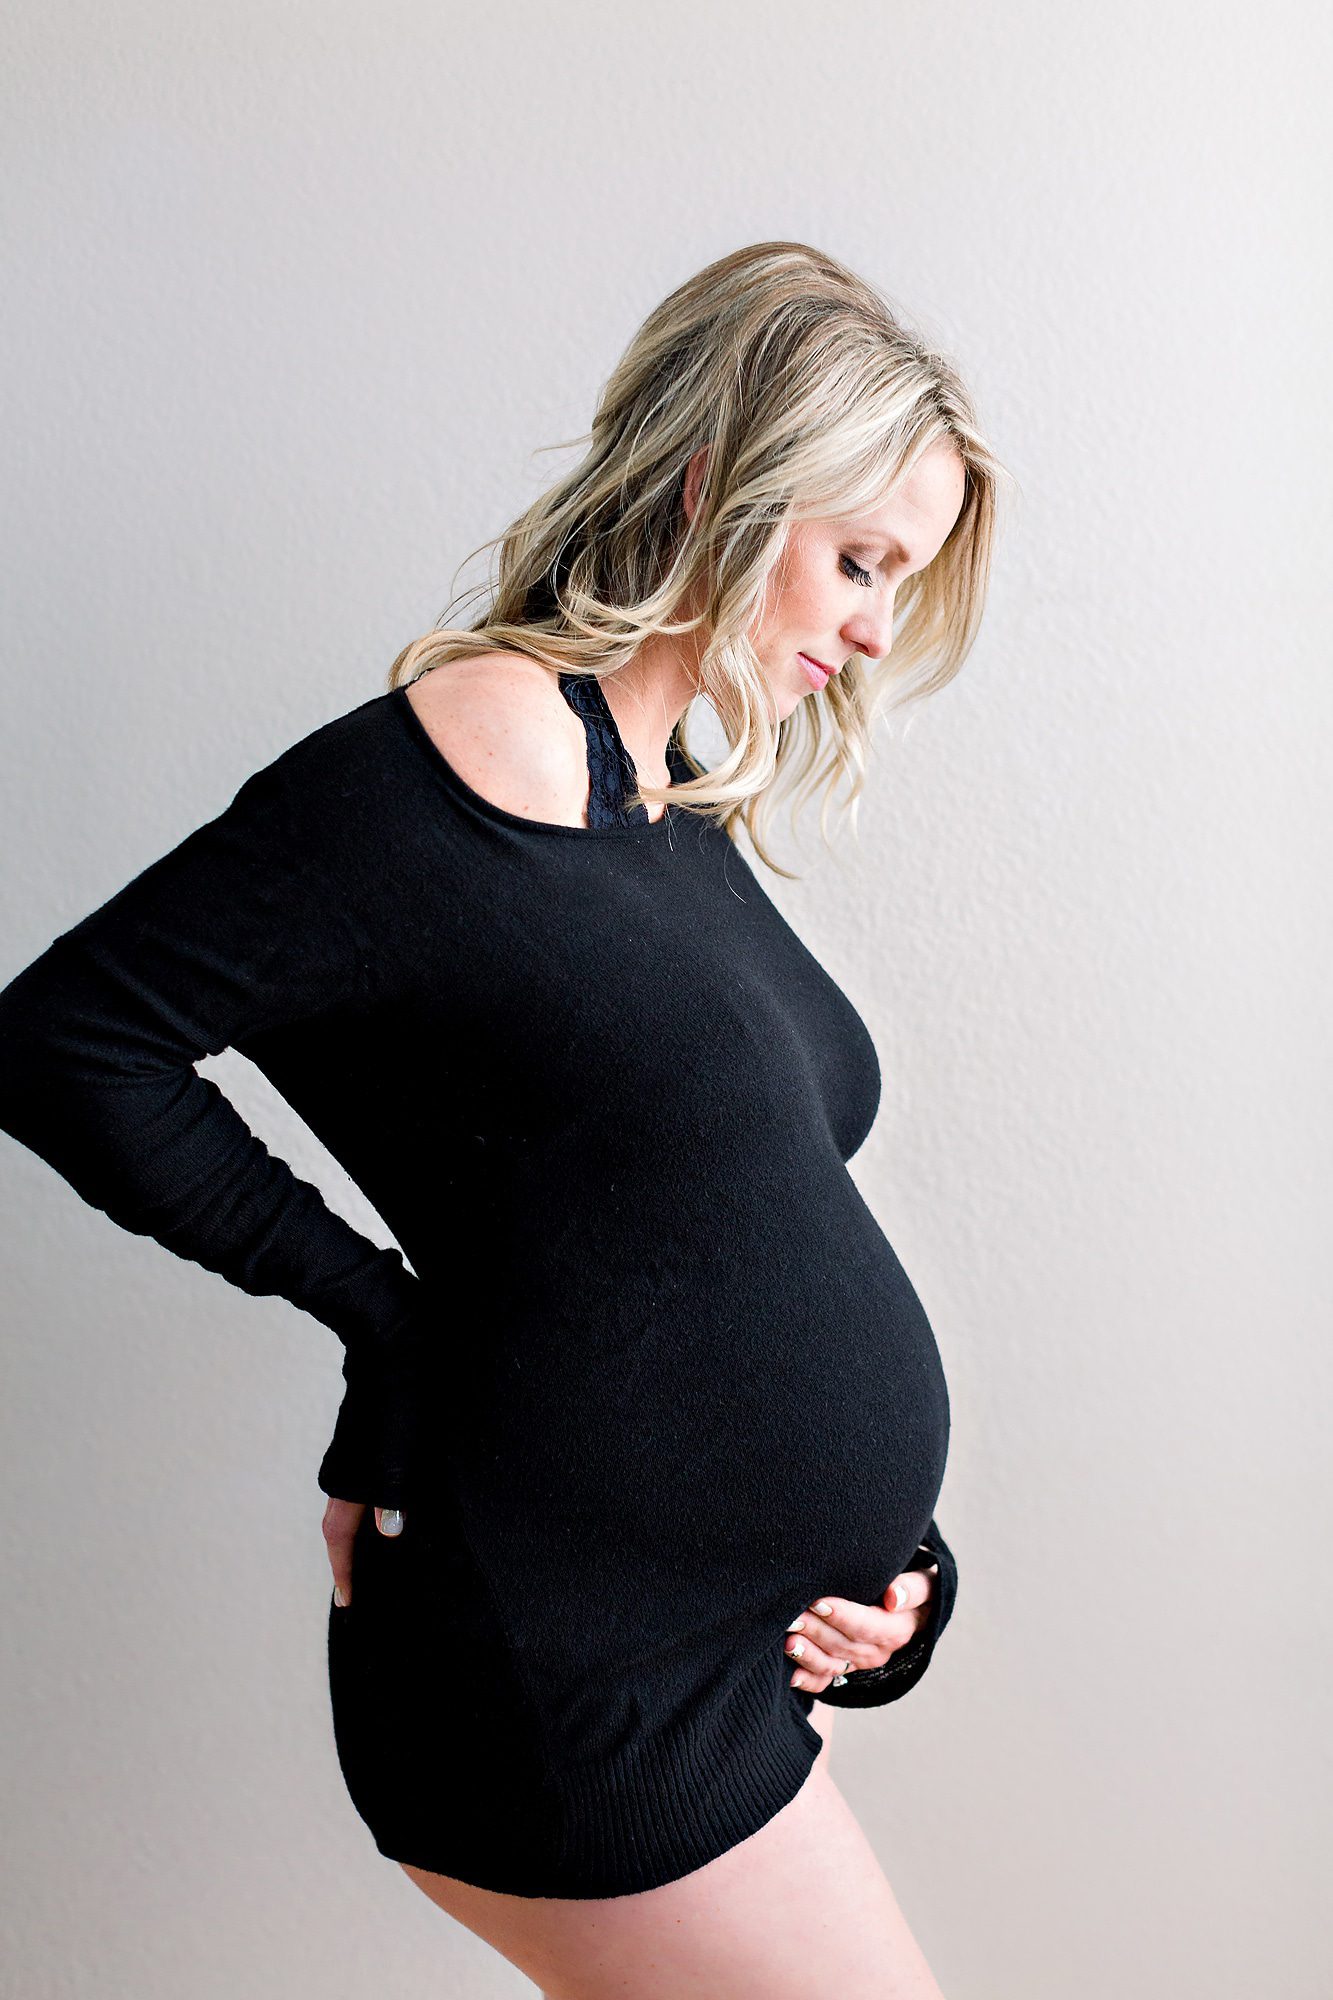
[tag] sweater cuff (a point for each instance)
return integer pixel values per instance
(380, 1437)
(874, 1686)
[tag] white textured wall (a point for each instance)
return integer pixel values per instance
(294, 295)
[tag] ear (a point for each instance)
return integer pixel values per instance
(694, 475)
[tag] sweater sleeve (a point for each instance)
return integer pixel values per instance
(903, 1669)
(234, 931)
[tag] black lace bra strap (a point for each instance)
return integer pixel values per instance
(611, 773)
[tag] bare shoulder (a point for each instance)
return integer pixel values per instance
(501, 721)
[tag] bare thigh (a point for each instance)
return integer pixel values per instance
(800, 1907)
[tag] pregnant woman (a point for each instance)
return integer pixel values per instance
(643, 1432)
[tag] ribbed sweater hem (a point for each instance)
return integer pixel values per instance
(663, 1808)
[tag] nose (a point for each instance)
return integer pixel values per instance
(871, 631)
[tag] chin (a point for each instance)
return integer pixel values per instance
(786, 698)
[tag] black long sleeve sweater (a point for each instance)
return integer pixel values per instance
(653, 1348)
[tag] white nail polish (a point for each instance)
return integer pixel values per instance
(338, 1597)
(391, 1521)
(797, 1625)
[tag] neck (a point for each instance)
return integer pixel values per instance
(648, 696)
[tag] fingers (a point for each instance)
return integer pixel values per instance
(910, 1590)
(342, 1520)
(818, 1654)
(838, 1636)
(823, 1643)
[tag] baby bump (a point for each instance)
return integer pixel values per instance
(670, 1482)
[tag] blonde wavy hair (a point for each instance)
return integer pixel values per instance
(814, 400)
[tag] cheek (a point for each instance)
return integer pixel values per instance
(801, 607)
(806, 602)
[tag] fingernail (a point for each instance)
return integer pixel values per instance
(823, 1610)
(797, 1648)
(798, 1680)
(338, 1596)
(797, 1625)
(391, 1521)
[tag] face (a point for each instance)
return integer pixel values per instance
(831, 596)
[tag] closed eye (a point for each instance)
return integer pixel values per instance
(855, 571)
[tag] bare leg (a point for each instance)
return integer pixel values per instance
(802, 1906)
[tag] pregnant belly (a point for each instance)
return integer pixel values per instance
(665, 1480)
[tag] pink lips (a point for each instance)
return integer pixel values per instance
(818, 673)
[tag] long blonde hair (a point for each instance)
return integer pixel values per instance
(814, 400)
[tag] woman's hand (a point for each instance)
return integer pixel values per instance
(839, 1636)
(342, 1518)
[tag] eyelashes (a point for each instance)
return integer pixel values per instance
(855, 571)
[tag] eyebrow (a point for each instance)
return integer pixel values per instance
(864, 537)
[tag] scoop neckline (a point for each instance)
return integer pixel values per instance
(417, 729)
